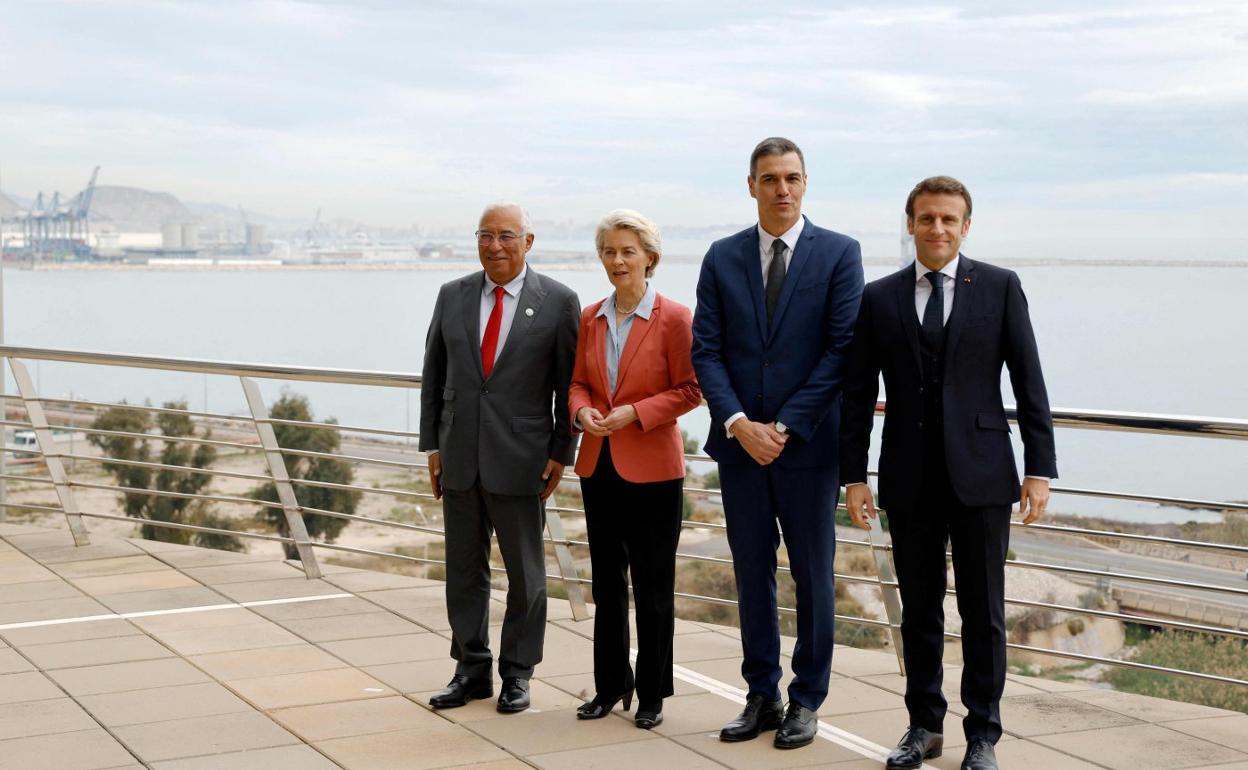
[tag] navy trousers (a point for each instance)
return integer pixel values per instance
(802, 501)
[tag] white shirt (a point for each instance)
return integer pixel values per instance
(923, 287)
(511, 299)
(765, 245)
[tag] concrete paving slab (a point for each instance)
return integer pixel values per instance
(703, 646)
(371, 624)
(581, 686)
(41, 717)
(120, 565)
(280, 758)
(186, 557)
(1144, 708)
(415, 677)
(445, 745)
(262, 590)
(24, 571)
(94, 652)
(887, 727)
(129, 582)
(27, 686)
(389, 649)
(38, 591)
(121, 677)
(760, 754)
(363, 580)
(108, 549)
(544, 697)
(265, 661)
(201, 641)
(200, 736)
(244, 573)
(327, 721)
(187, 621)
(162, 704)
(1230, 731)
(1030, 715)
(326, 608)
(70, 632)
(649, 753)
(84, 750)
(26, 612)
(685, 714)
(11, 662)
(849, 696)
(285, 690)
(1140, 747)
(528, 734)
(165, 599)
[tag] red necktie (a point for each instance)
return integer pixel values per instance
(489, 343)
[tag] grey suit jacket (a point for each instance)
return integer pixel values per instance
(502, 429)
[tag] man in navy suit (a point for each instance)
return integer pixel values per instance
(776, 308)
(940, 331)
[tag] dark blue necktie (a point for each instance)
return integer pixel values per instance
(934, 313)
(775, 278)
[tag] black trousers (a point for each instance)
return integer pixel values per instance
(632, 527)
(979, 538)
(469, 517)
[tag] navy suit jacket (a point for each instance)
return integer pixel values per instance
(988, 328)
(791, 372)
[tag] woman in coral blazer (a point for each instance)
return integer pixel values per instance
(633, 378)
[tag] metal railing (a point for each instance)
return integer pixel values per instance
(260, 438)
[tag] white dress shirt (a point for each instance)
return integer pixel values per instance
(765, 242)
(511, 299)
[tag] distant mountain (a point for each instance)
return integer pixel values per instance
(219, 211)
(133, 209)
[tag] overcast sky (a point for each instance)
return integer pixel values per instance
(1104, 129)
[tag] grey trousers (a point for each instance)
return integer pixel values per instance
(469, 517)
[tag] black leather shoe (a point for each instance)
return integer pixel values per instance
(514, 696)
(980, 755)
(798, 729)
(600, 706)
(649, 715)
(461, 690)
(914, 747)
(759, 715)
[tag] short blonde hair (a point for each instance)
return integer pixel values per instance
(647, 232)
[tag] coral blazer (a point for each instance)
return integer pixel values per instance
(655, 376)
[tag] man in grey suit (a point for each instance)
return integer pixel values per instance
(494, 421)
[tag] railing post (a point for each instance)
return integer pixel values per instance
(281, 480)
(47, 447)
(567, 567)
(885, 574)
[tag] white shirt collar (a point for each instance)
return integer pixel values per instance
(950, 270)
(512, 287)
(789, 237)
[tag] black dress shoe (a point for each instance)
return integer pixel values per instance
(514, 696)
(914, 747)
(600, 706)
(798, 729)
(462, 689)
(760, 714)
(649, 715)
(980, 755)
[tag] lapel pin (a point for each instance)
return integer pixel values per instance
(966, 279)
(528, 311)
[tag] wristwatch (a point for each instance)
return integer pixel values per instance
(782, 428)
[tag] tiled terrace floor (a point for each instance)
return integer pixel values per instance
(343, 682)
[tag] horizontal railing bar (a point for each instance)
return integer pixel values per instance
(1220, 630)
(1121, 663)
(16, 424)
(371, 520)
(352, 458)
(1127, 577)
(27, 506)
(1180, 502)
(189, 527)
(235, 369)
(344, 428)
(159, 437)
(1132, 536)
(229, 499)
(354, 488)
(35, 479)
(162, 466)
(147, 408)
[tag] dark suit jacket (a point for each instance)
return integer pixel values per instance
(502, 429)
(988, 327)
(791, 372)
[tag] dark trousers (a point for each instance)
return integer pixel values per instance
(632, 527)
(803, 501)
(470, 516)
(979, 538)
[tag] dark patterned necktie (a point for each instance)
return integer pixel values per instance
(775, 278)
(934, 312)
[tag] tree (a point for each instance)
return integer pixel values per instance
(293, 406)
(178, 510)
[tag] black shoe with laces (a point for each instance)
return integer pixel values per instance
(980, 755)
(915, 746)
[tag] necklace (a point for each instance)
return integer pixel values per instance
(622, 311)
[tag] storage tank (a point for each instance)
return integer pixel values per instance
(256, 237)
(171, 237)
(190, 236)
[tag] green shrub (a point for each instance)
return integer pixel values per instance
(1192, 652)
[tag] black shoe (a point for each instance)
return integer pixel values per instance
(914, 747)
(649, 715)
(462, 689)
(760, 714)
(980, 755)
(514, 696)
(798, 729)
(599, 707)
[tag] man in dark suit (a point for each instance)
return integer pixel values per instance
(940, 330)
(500, 351)
(776, 307)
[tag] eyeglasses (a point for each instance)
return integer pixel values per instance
(505, 238)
